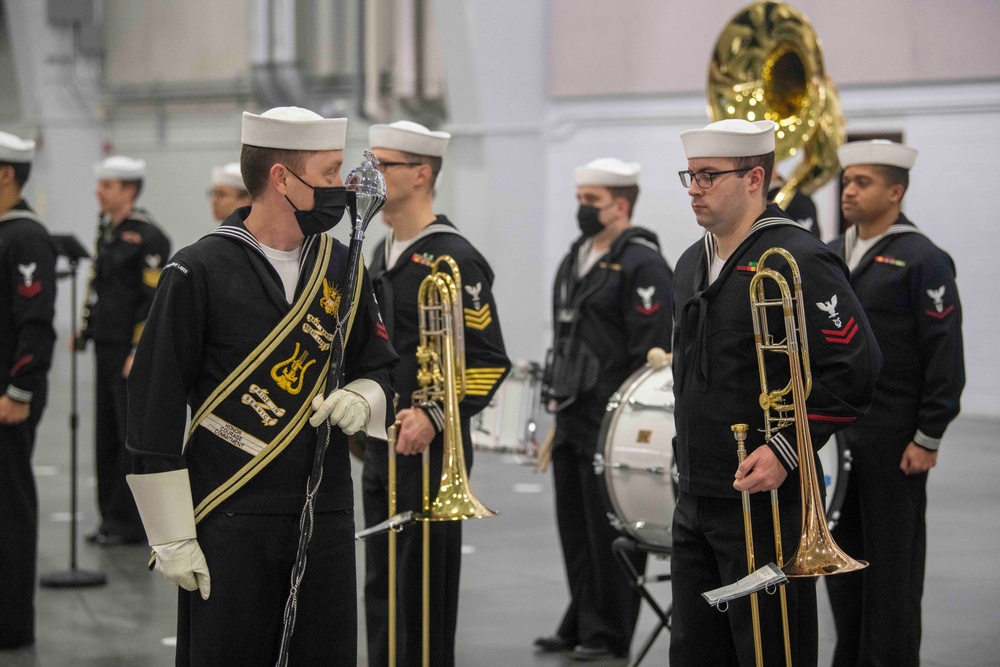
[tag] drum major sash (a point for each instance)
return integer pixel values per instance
(267, 400)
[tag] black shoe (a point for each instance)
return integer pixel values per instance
(589, 652)
(554, 644)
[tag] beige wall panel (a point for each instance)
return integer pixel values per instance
(663, 46)
(151, 41)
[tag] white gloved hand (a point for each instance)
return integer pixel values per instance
(344, 408)
(183, 564)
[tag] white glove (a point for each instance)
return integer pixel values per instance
(344, 408)
(167, 512)
(183, 564)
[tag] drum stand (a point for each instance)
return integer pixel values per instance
(622, 547)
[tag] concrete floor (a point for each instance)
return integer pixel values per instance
(512, 587)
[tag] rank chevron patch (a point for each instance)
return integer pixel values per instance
(478, 319)
(480, 381)
(841, 336)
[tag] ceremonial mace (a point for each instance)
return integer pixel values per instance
(366, 197)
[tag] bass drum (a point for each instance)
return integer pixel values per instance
(836, 460)
(514, 420)
(635, 454)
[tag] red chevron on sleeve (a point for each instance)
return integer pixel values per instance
(943, 314)
(30, 291)
(647, 310)
(841, 336)
(21, 363)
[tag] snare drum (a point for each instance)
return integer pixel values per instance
(635, 454)
(514, 420)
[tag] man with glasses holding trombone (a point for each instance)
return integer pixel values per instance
(717, 384)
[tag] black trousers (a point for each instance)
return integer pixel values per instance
(250, 558)
(18, 529)
(119, 515)
(877, 610)
(709, 551)
(445, 559)
(603, 606)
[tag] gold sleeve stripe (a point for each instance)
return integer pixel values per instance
(151, 277)
(487, 372)
(478, 319)
(137, 332)
(480, 381)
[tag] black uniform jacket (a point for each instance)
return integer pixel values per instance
(604, 324)
(716, 378)
(486, 360)
(27, 303)
(217, 300)
(906, 285)
(124, 276)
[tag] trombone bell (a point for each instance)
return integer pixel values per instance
(441, 355)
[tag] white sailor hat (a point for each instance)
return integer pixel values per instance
(409, 137)
(121, 168)
(733, 137)
(877, 151)
(609, 172)
(228, 174)
(16, 149)
(295, 129)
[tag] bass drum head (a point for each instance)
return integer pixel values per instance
(636, 442)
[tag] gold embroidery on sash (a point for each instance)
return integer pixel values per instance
(290, 373)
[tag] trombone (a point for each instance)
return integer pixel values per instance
(817, 554)
(441, 376)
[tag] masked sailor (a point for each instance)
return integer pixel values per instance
(241, 332)
(611, 304)
(410, 157)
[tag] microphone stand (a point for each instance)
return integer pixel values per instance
(67, 246)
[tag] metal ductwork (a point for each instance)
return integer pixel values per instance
(277, 77)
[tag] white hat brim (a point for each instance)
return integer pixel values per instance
(396, 138)
(877, 152)
(304, 134)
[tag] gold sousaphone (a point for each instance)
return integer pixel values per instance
(767, 65)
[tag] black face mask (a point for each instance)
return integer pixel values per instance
(589, 220)
(328, 208)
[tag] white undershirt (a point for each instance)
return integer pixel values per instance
(715, 269)
(396, 250)
(860, 248)
(286, 263)
(587, 258)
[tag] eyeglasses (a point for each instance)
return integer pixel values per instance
(383, 165)
(217, 194)
(704, 179)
